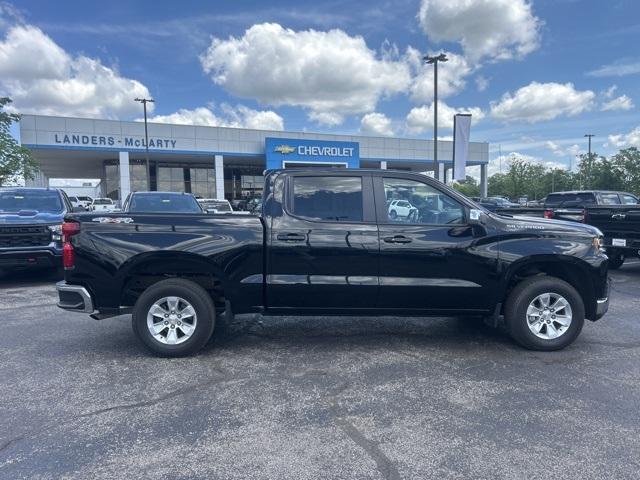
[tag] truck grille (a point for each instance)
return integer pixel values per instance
(24, 236)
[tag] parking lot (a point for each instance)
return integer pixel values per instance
(315, 398)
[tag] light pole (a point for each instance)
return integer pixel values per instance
(434, 60)
(144, 102)
(589, 135)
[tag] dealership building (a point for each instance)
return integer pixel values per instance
(212, 162)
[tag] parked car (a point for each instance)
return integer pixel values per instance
(31, 227)
(494, 203)
(325, 244)
(213, 205)
(161, 202)
(81, 202)
(102, 205)
(401, 208)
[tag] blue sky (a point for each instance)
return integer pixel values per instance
(536, 75)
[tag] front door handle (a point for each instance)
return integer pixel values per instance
(397, 239)
(291, 237)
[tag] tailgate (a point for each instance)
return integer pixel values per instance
(619, 224)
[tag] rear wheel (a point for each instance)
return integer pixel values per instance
(544, 313)
(174, 317)
(393, 214)
(616, 259)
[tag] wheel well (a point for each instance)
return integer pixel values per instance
(152, 271)
(574, 275)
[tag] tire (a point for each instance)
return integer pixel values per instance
(616, 259)
(528, 294)
(393, 215)
(173, 340)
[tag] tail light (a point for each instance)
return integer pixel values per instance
(69, 229)
(548, 214)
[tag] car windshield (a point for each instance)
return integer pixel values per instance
(164, 203)
(30, 200)
(219, 206)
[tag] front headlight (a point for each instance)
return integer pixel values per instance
(56, 232)
(597, 243)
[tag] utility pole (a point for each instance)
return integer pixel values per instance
(144, 102)
(434, 60)
(589, 135)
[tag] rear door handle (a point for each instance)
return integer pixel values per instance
(397, 239)
(291, 237)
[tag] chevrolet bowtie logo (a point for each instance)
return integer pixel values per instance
(284, 149)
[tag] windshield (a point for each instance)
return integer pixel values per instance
(164, 203)
(32, 200)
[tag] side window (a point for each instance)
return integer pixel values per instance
(330, 198)
(628, 199)
(422, 203)
(609, 199)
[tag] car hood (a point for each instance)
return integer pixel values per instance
(30, 217)
(523, 223)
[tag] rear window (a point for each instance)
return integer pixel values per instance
(570, 200)
(159, 203)
(219, 206)
(33, 200)
(328, 198)
(102, 201)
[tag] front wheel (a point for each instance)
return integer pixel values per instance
(544, 313)
(174, 317)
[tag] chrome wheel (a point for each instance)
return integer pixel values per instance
(549, 316)
(171, 320)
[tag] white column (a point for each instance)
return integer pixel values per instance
(441, 172)
(484, 182)
(219, 171)
(383, 165)
(125, 181)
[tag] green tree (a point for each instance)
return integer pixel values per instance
(15, 160)
(627, 162)
(469, 187)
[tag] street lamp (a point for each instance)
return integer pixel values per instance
(589, 135)
(144, 102)
(434, 60)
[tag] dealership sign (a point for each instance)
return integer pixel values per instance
(285, 151)
(111, 141)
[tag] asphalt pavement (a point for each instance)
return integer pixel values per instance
(315, 397)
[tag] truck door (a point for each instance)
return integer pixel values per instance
(323, 249)
(430, 260)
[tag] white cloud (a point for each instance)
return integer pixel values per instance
(324, 72)
(619, 103)
(619, 68)
(376, 124)
(42, 78)
(420, 119)
(451, 76)
(496, 29)
(239, 117)
(559, 151)
(542, 101)
(622, 140)
(482, 83)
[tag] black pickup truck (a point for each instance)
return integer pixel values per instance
(325, 244)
